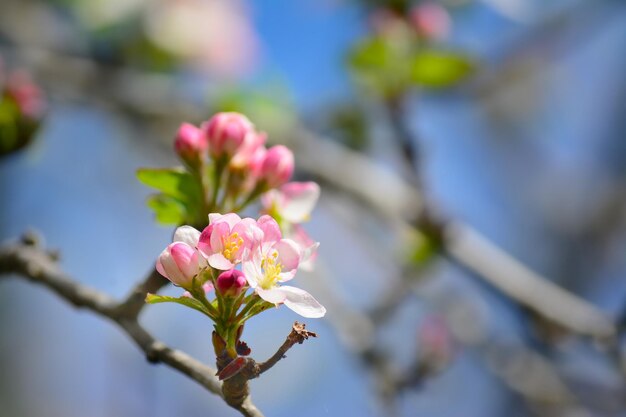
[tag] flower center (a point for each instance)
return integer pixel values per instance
(231, 244)
(271, 271)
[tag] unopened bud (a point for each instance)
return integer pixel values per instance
(278, 166)
(231, 283)
(430, 20)
(226, 133)
(179, 263)
(190, 143)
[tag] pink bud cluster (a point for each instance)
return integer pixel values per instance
(19, 87)
(428, 19)
(230, 139)
(266, 260)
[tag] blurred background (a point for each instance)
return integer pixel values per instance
(445, 135)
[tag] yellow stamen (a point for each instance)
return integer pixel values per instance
(231, 246)
(271, 271)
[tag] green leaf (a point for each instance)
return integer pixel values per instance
(182, 195)
(167, 210)
(381, 66)
(370, 54)
(439, 69)
(174, 182)
(186, 301)
(423, 249)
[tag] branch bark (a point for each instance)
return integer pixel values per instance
(35, 264)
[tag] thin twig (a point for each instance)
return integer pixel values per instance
(38, 266)
(298, 334)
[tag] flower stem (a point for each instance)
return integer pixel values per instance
(255, 299)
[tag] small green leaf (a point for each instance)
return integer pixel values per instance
(439, 69)
(174, 182)
(167, 210)
(381, 66)
(370, 54)
(186, 301)
(423, 249)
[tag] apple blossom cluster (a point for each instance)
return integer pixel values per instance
(22, 106)
(265, 259)
(239, 151)
(233, 268)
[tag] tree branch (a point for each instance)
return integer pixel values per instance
(31, 262)
(135, 301)
(298, 335)
(386, 192)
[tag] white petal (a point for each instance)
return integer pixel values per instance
(188, 235)
(300, 201)
(252, 273)
(302, 302)
(308, 252)
(273, 295)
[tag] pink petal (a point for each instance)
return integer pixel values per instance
(271, 230)
(220, 231)
(218, 261)
(160, 268)
(186, 258)
(302, 302)
(188, 235)
(169, 266)
(249, 232)
(204, 242)
(231, 219)
(288, 254)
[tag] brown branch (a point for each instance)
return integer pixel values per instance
(298, 335)
(135, 301)
(236, 373)
(31, 262)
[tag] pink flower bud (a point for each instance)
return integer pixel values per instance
(247, 151)
(226, 133)
(190, 143)
(26, 94)
(430, 20)
(179, 263)
(230, 283)
(435, 342)
(277, 166)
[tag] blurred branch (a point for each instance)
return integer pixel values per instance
(394, 198)
(461, 243)
(468, 248)
(38, 266)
